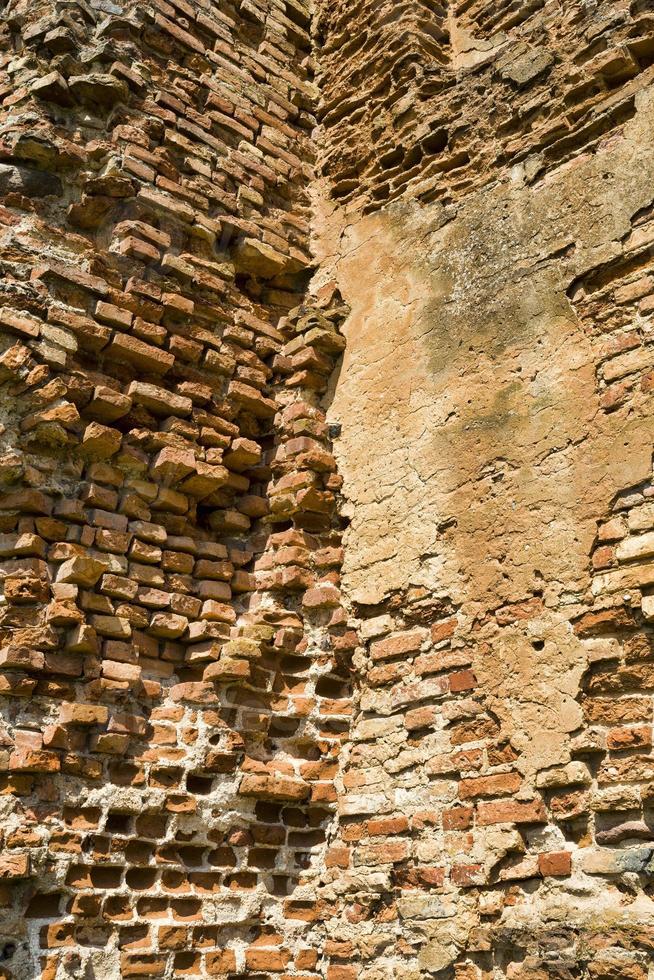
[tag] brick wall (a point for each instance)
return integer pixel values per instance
(216, 758)
(171, 683)
(495, 801)
(448, 95)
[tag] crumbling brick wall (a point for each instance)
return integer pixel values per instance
(326, 464)
(171, 684)
(491, 233)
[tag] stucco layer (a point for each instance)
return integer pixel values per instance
(495, 407)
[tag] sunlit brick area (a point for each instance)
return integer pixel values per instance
(326, 489)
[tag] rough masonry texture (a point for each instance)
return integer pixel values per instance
(326, 489)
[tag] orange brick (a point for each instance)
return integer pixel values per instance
(556, 864)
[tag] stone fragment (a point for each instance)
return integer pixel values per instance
(171, 465)
(144, 357)
(100, 441)
(83, 714)
(14, 866)
(81, 570)
(159, 401)
(21, 658)
(28, 181)
(107, 405)
(273, 787)
(259, 259)
(98, 90)
(528, 66)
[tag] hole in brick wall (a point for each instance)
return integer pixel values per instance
(151, 906)
(173, 879)
(354, 822)
(294, 665)
(117, 907)
(93, 935)
(118, 823)
(412, 157)
(626, 888)
(436, 142)
(199, 784)
(205, 881)
(141, 878)
(44, 906)
(283, 727)
(151, 825)
(188, 962)
(249, 699)
(166, 778)
(186, 908)
(305, 840)
(132, 936)
(97, 845)
(304, 749)
(344, 187)
(167, 853)
(229, 719)
(392, 159)
(222, 857)
(123, 774)
(297, 16)
(253, 30)
(282, 885)
(538, 644)
(262, 857)
(139, 852)
(268, 812)
(207, 935)
(269, 835)
(88, 906)
(576, 831)
(249, 287)
(318, 816)
(243, 879)
(294, 817)
(82, 818)
(332, 726)
(184, 836)
(106, 877)
(330, 687)
(283, 526)
(191, 856)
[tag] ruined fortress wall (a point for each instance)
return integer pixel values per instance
(326, 504)
(172, 692)
(484, 204)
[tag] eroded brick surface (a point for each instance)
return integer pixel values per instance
(487, 168)
(171, 690)
(326, 511)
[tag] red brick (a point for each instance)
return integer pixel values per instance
(443, 630)
(458, 818)
(468, 875)
(462, 680)
(556, 864)
(497, 785)
(508, 811)
(395, 646)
